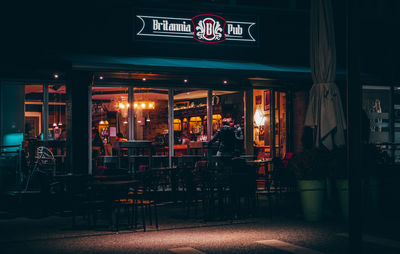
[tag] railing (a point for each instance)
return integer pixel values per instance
(390, 152)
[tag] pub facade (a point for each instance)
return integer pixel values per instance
(167, 73)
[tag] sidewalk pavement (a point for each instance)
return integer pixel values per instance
(177, 234)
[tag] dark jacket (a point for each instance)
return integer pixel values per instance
(227, 140)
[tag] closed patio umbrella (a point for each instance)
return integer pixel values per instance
(324, 112)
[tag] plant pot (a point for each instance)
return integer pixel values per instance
(342, 188)
(312, 194)
(373, 186)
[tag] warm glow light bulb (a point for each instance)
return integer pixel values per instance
(259, 118)
(135, 105)
(143, 105)
(127, 105)
(121, 105)
(54, 124)
(150, 105)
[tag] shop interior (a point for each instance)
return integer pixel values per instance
(111, 106)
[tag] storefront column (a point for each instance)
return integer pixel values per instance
(89, 129)
(45, 110)
(209, 115)
(272, 124)
(170, 125)
(78, 111)
(248, 122)
(131, 117)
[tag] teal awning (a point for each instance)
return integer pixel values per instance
(122, 63)
(112, 63)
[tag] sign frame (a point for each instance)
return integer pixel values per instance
(173, 27)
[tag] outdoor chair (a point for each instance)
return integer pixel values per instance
(242, 186)
(281, 185)
(144, 196)
(194, 185)
(85, 201)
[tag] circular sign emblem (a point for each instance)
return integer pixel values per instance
(209, 28)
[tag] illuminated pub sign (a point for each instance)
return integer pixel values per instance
(200, 28)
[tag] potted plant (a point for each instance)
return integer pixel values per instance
(310, 170)
(370, 164)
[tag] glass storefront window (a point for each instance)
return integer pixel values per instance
(109, 121)
(270, 139)
(262, 122)
(46, 115)
(229, 106)
(56, 116)
(33, 111)
(151, 117)
(190, 107)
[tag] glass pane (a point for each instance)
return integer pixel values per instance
(228, 106)
(262, 123)
(190, 123)
(109, 121)
(33, 111)
(150, 109)
(57, 125)
(57, 106)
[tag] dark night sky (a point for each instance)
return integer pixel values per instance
(33, 29)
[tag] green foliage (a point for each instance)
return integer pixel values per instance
(317, 163)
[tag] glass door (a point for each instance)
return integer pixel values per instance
(270, 123)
